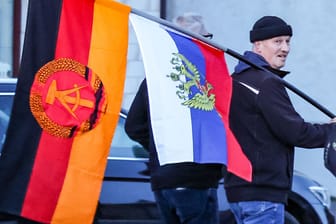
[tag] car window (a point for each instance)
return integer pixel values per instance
(123, 146)
(6, 101)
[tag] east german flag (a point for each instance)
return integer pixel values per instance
(65, 110)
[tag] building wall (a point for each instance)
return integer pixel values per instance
(6, 37)
(135, 69)
(24, 8)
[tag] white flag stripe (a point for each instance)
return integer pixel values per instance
(171, 122)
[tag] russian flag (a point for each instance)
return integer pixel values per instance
(189, 90)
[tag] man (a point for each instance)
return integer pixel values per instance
(185, 192)
(267, 127)
(193, 22)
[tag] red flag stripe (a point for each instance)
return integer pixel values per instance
(53, 153)
(237, 162)
(75, 30)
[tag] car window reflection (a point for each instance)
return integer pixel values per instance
(123, 146)
(5, 107)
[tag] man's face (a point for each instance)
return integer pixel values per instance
(274, 50)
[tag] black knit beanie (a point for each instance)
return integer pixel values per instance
(268, 27)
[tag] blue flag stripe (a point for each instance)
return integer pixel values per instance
(209, 135)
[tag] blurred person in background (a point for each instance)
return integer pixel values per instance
(185, 192)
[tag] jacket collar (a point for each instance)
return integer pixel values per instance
(259, 61)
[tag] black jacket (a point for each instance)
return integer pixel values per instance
(267, 127)
(187, 174)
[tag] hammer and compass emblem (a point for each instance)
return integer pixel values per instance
(67, 97)
(66, 100)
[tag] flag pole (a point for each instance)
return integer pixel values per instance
(235, 55)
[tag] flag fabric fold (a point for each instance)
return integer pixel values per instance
(65, 110)
(189, 90)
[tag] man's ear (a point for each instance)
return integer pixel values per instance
(257, 46)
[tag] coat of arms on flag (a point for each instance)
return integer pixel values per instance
(189, 110)
(184, 69)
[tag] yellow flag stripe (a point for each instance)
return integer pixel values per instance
(107, 58)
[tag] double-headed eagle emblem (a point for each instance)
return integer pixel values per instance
(187, 75)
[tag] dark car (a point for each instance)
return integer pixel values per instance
(126, 195)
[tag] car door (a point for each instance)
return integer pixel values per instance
(126, 194)
(7, 91)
